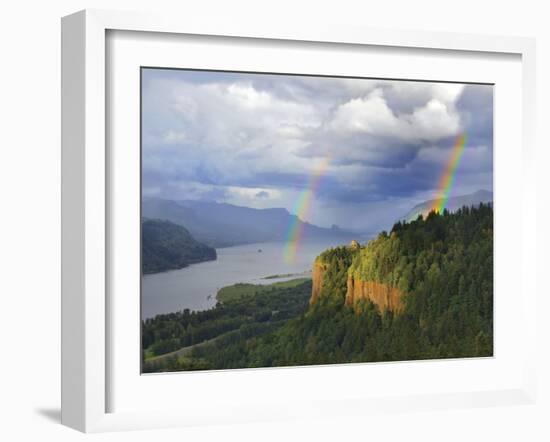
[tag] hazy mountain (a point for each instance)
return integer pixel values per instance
(453, 204)
(167, 246)
(222, 225)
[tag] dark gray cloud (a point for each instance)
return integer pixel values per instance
(262, 194)
(256, 140)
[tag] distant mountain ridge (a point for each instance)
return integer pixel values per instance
(223, 225)
(453, 204)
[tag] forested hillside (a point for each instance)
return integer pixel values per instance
(168, 246)
(453, 204)
(245, 311)
(441, 270)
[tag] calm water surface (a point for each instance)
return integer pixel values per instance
(195, 287)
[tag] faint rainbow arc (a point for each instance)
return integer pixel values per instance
(301, 210)
(448, 177)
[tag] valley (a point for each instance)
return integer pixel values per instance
(420, 291)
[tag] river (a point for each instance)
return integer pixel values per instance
(195, 287)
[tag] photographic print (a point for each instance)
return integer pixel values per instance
(293, 220)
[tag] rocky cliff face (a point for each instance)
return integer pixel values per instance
(317, 274)
(334, 268)
(382, 295)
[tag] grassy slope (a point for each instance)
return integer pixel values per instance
(240, 291)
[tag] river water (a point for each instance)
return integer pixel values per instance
(195, 287)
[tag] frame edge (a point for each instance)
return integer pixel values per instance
(73, 80)
(83, 374)
(84, 385)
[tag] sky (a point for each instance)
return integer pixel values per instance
(256, 140)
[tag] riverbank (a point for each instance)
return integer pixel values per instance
(241, 290)
(195, 287)
(171, 342)
(287, 275)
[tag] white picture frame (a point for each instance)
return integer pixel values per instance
(86, 205)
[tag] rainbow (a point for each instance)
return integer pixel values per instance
(301, 211)
(447, 179)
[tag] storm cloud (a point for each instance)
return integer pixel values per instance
(255, 140)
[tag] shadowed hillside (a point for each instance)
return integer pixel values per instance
(167, 246)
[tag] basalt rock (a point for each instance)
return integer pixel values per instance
(382, 295)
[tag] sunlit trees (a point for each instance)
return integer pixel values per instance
(443, 264)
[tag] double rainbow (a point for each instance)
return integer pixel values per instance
(301, 210)
(447, 179)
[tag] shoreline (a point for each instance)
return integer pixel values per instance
(251, 289)
(248, 285)
(286, 275)
(143, 274)
(195, 287)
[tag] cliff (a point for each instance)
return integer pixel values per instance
(329, 273)
(317, 275)
(336, 274)
(380, 294)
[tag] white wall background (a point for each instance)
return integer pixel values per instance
(30, 215)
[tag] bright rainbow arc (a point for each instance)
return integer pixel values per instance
(301, 211)
(447, 179)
